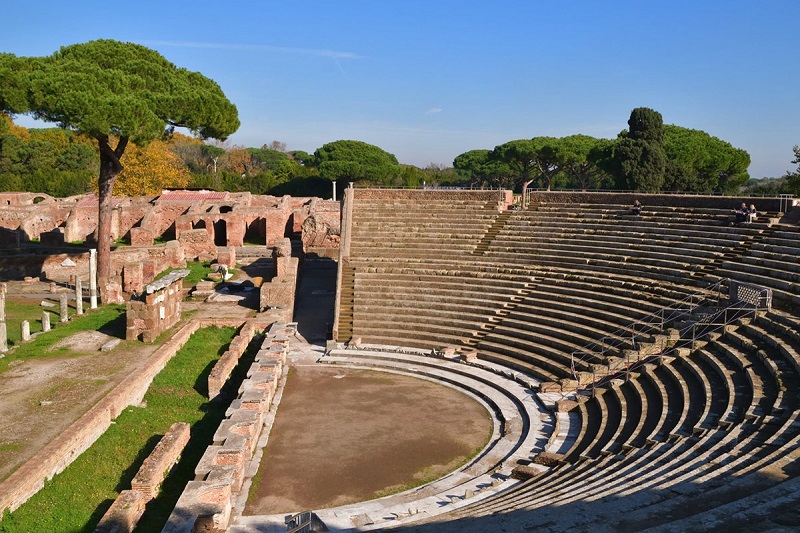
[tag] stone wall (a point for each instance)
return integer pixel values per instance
(672, 200)
(128, 507)
(158, 309)
(427, 195)
(197, 242)
(224, 366)
(278, 293)
(208, 500)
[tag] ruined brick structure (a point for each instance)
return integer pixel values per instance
(194, 225)
(157, 310)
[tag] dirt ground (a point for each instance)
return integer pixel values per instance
(345, 435)
(41, 397)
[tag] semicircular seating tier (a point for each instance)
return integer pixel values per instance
(676, 416)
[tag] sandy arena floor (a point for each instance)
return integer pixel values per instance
(346, 435)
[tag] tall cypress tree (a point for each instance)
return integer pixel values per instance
(640, 153)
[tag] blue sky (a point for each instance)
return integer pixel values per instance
(428, 80)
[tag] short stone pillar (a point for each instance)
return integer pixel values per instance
(45, 321)
(2, 306)
(78, 296)
(25, 331)
(93, 279)
(3, 338)
(63, 308)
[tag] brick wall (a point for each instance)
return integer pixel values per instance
(157, 311)
(224, 366)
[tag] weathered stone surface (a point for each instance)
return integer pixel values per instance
(124, 513)
(166, 453)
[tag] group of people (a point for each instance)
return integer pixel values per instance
(746, 214)
(743, 214)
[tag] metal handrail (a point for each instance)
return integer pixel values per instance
(628, 333)
(701, 328)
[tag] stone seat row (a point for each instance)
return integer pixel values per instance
(716, 377)
(678, 461)
(689, 214)
(692, 228)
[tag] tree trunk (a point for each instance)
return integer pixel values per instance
(110, 167)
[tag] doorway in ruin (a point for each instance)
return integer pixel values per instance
(220, 233)
(256, 232)
(168, 235)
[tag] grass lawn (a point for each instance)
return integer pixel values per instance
(198, 270)
(109, 319)
(76, 499)
(19, 309)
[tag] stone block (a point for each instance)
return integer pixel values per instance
(132, 277)
(550, 386)
(227, 256)
(166, 453)
(124, 513)
(141, 237)
(563, 406)
(548, 459)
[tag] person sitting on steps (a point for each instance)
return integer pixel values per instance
(637, 208)
(752, 213)
(741, 213)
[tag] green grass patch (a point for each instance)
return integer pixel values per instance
(18, 310)
(109, 319)
(76, 499)
(198, 270)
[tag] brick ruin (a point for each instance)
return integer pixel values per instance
(157, 309)
(156, 233)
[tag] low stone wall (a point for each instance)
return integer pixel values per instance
(207, 501)
(161, 460)
(159, 310)
(671, 200)
(279, 293)
(124, 513)
(224, 366)
(427, 195)
(128, 507)
(57, 455)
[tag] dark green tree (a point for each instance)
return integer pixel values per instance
(479, 169)
(640, 155)
(520, 157)
(585, 160)
(356, 161)
(548, 158)
(116, 93)
(700, 162)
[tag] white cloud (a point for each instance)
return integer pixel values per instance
(433, 111)
(319, 52)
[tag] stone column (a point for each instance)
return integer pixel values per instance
(78, 296)
(25, 331)
(45, 321)
(2, 304)
(3, 338)
(93, 278)
(64, 308)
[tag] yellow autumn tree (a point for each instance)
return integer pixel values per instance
(149, 169)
